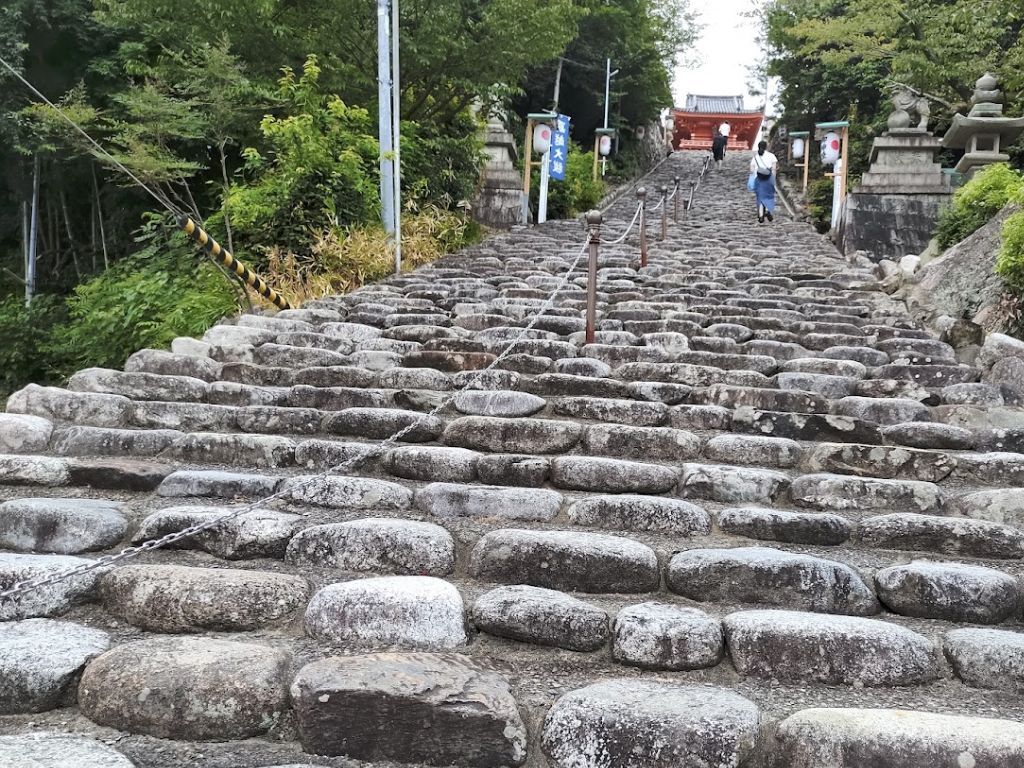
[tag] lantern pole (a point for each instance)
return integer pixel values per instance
(600, 133)
(805, 137)
(545, 178)
(533, 119)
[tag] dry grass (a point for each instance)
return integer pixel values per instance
(343, 260)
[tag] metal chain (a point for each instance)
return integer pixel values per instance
(622, 238)
(30, 585)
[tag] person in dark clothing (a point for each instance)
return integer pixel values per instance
(718, 145)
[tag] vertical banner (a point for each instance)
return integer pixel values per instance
(559, 148)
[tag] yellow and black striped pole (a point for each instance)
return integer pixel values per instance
(223, 255)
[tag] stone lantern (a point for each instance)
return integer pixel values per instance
(984, 132)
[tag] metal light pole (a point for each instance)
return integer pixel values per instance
(385, 129)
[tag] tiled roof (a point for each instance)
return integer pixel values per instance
(698, 103)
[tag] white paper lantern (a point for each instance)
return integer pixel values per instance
(541, 138)
(605, 146)
(798, 149)
(830, 147)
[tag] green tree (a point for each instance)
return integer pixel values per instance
(643, 38)
(318, 168)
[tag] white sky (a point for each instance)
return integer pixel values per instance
(726, 49)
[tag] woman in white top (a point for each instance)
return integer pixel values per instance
(763, 166)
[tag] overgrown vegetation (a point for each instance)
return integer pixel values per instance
(978, 201)
(260, 121)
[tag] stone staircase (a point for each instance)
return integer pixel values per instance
(763, 521)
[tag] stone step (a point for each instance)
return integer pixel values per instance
(794, 647)
(541, 616)
(570, 561)
(633, 723)
(408, 612)
(950, 591)
(852, 738)
(372, 706)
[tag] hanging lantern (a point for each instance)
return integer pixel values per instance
(798, 149)
(542, 138)
(830, 147)
(605, 146)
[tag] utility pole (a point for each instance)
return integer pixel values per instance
(385, 129)
(558, 83)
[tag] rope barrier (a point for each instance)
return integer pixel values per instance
(622, 238)
(107, 561)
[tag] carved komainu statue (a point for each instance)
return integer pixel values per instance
(910, 104)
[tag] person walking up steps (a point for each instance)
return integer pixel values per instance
(718, 146)
(762, 174)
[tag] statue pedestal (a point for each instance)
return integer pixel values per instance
(892, 213)
(499, 203)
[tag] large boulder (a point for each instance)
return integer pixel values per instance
(962, 281)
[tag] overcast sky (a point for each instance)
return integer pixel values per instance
(726, 49)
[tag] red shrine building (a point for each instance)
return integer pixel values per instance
(695, 125)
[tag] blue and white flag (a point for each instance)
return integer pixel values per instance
(559, 154)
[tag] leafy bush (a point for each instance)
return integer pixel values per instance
(27, 354)
(579, 192)
(165, 290)
(318, 171)
(1010, 262)
(975, 203)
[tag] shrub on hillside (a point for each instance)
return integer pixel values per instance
(27, 354)
(1010, 263)
(165, 290)
(977, 201)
